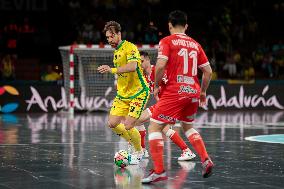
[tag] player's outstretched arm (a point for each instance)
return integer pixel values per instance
(129, 67)
(206, 77)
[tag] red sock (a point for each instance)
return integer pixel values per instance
(143, 136)
(197, 142)
(174, 136)
(156, 144)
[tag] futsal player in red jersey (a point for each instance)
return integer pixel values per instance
(149, 74)
(180, 56)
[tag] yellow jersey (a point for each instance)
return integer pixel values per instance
(131, 84)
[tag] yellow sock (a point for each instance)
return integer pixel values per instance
(122, 132)
(135, 138)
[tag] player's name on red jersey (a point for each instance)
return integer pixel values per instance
(185, 43)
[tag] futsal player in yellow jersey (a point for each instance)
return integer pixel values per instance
(132, 89)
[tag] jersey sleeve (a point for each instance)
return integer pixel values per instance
(132, 53)
(202, 58)
(164, 49)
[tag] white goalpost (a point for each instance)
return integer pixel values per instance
(86, 89)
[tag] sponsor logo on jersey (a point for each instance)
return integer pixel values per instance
(185, 79)
(137, 104)
(187, 89)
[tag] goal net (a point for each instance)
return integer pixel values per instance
(85, 88)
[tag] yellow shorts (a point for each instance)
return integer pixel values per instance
(130, 106)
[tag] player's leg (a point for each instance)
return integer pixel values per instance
(135, 140)
(133, 132)
(116, 118)
(136, 107)
(156, 144)
(145, 116)
(158, 120)
(187, 154)
(195, 138)
(197, 142)
(142, 130)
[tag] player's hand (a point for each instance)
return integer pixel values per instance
(156, 93)
(104, 69)
(202, 100)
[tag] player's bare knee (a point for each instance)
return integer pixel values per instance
(165, 130)
(186, 127)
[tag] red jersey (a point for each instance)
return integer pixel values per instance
(184, 55)
(151, 79)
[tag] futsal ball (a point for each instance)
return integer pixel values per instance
(121, 158)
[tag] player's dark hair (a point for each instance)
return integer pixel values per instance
(112, 26)
(144, 53)
(178, 18)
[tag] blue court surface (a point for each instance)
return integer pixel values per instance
(278, 138)
(52, 151)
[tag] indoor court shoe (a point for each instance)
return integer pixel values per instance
(130, 149)
(154, 177)
(207, 168)
(186, 155)
(136, 157)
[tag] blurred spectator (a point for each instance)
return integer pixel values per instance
(50, 75)
(230, 66)
(278, 52)
(88, 32)
(249, 71)
(26, 27)
(214, 67)
(26, 38)
(74, 4)
(267, 64)
(11, 31)
(7, 68)
(235, 29)
(151, 34)
(129, 35)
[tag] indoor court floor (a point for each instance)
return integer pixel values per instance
(52, 151)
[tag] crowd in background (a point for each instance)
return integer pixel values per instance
(243, 39)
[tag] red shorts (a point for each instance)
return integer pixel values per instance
(168, 110)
